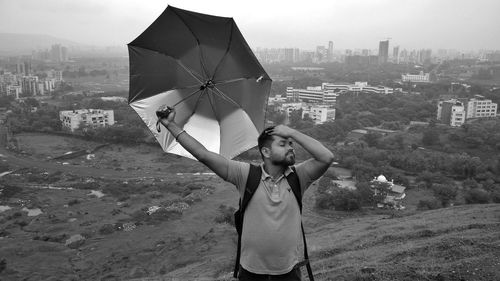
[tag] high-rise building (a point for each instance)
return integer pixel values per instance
(330, 51)
(383, 51)
(23, 68)
(425, 56)
(321, 54)
(395, 54)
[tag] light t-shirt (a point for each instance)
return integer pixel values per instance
(271, 238)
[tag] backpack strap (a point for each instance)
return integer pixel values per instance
(253, 180)
(293, 181)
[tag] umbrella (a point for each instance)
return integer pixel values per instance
(201, 65)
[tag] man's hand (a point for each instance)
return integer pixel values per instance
(170, 115)
(282, 131)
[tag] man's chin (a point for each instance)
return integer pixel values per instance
(290, 160)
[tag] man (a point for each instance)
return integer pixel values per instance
(271, 235)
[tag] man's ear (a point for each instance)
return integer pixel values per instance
(266, 151)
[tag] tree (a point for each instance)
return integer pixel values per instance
(430, 137)
(372, 139)
(476, 196)
(381, 190)
(445, 193)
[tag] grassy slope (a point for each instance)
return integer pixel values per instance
(457, 243)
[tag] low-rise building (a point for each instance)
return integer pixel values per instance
(416, 78)
(451, 112)
(455, 112)
(357, 87)
(394, 194)
(320, 113)
(479, 107)
(73, 119)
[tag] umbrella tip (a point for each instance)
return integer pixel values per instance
(260, 78)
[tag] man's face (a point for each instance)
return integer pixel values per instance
(282, 152)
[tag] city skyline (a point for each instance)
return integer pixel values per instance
(358, 24)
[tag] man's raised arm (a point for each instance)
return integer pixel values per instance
(215, 162)
(322, 157)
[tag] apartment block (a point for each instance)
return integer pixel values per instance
(479, 107)
(73, 119)
(319, 114)
(451, 112)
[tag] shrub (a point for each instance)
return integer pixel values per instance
(226, 215)
(495, 196)
(365, 193)
(476, 196)
(444, 193)
(470, 184)
(342, 199)
(428, 204)
(324, 201)
(347, 200)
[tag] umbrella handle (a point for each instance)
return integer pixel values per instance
(162, 113)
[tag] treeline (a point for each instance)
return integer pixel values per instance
(129, 128)
(82, 72)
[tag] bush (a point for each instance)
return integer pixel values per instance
(365, 193)
(495, 196)
(347, 200)
(476, 196)
(226, 215)
(428, 204)
(341, 199)
(325, 201)
(445, 193)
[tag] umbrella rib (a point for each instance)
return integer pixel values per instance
(190, 71)
(214, 110)
(227, 51)
(225, 97)
(187, 97)
(197, 41)
(196, 104)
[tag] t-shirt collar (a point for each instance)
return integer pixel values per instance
(265, 175)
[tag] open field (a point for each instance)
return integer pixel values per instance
(136, 213)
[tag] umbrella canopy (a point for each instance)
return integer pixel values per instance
(202, 65)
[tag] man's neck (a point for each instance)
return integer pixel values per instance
(273, 170)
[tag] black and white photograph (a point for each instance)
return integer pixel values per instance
(190, 140)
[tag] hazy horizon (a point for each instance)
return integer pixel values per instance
(350, 24)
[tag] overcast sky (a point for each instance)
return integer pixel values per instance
(351, 24)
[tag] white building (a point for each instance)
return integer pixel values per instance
(14, 90)
(320, 113)
(72, 119)
(451, 112)
(312, 95)
(421, 77)
(357, 87)
(276, 99)
(479, 107)
(394, 196)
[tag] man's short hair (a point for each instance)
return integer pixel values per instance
(265, 138)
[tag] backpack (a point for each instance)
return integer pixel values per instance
(253, 181)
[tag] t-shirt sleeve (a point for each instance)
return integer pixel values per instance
(237, 174)
(304, 177)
